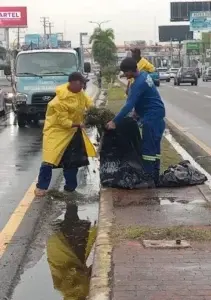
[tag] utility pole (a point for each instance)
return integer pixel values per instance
(45, 22)
(50, 25)
(18, 38)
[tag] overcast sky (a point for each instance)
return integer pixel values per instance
(131, 20)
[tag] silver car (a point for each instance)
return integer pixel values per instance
(164, 74)
(173, 72)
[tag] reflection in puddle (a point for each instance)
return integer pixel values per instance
(67, 252)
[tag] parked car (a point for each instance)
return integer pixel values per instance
(206, 76)
(155, 77)
(2, 104)
(164, 74)
(173, 72)
(186, 75)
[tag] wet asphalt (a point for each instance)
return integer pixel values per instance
(190, 107)
(34, 280)
(20, 157)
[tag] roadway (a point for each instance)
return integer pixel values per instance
(190, 107)
(20, 157)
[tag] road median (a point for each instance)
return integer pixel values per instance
(133, 223)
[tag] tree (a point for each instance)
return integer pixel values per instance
(103, 46)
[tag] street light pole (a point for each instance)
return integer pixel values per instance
(82, 49)
(99, 23)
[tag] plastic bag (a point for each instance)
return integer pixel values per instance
(182, 174)
(75, 156)
(120, 156)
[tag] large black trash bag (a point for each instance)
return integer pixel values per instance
(75, 155)
(182, 174)
(120, 156)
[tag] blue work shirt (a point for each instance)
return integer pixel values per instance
(145, 99)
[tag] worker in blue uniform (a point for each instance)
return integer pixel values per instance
(144, 99)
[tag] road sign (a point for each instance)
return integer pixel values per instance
(200, 21)
(193, 48)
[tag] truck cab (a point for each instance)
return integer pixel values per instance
(35, 77)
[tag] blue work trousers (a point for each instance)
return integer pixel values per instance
(152, 132)
(45, 176)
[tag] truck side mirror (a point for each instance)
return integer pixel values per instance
(7, 70)
(87, 67)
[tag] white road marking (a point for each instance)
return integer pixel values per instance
(195, 92)
(207, 96)
(185, 90)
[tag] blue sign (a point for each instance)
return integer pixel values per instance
(52, 40)
(200, 21)
(35, 39)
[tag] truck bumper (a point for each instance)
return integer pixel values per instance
(31, 110)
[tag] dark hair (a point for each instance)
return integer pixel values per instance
(128, 64)
(76, 76)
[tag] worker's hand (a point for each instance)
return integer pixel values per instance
(134, 115)
(111, 125)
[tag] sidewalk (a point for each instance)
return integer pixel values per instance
(167, 274)
(126, 267)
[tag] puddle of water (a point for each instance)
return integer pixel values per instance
(54, 252)
(166, 201)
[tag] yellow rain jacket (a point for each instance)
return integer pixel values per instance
(69, 275)
(143, 65)
(63, 111)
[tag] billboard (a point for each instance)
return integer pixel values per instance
(35, 39)
(180, 11)
(200, 21)
(12, 17)
(52, 40)
(193, 48)
(175, 33)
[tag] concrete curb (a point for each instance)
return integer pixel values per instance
(202, 157)
(100, 284)
(16, 251)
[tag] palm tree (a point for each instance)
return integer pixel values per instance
(103, 46)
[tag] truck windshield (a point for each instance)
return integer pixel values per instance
(46, 63)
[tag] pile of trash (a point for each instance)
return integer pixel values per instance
(120, 159)
(182, 174)
(121, 164)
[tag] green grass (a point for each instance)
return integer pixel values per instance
(116, 94)
(169, 156)
(168, 233)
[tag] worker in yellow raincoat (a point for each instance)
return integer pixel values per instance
(68, 267)
(65, 114)
(142, 65)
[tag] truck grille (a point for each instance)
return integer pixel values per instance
(42, 98)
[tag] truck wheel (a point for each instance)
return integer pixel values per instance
(21, 119)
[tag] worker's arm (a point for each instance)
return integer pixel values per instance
(137, 90)
(128, 87)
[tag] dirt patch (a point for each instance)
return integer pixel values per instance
(169, 233)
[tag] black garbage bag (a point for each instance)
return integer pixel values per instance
(75, 155)
(182, 174)
(120, 156)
